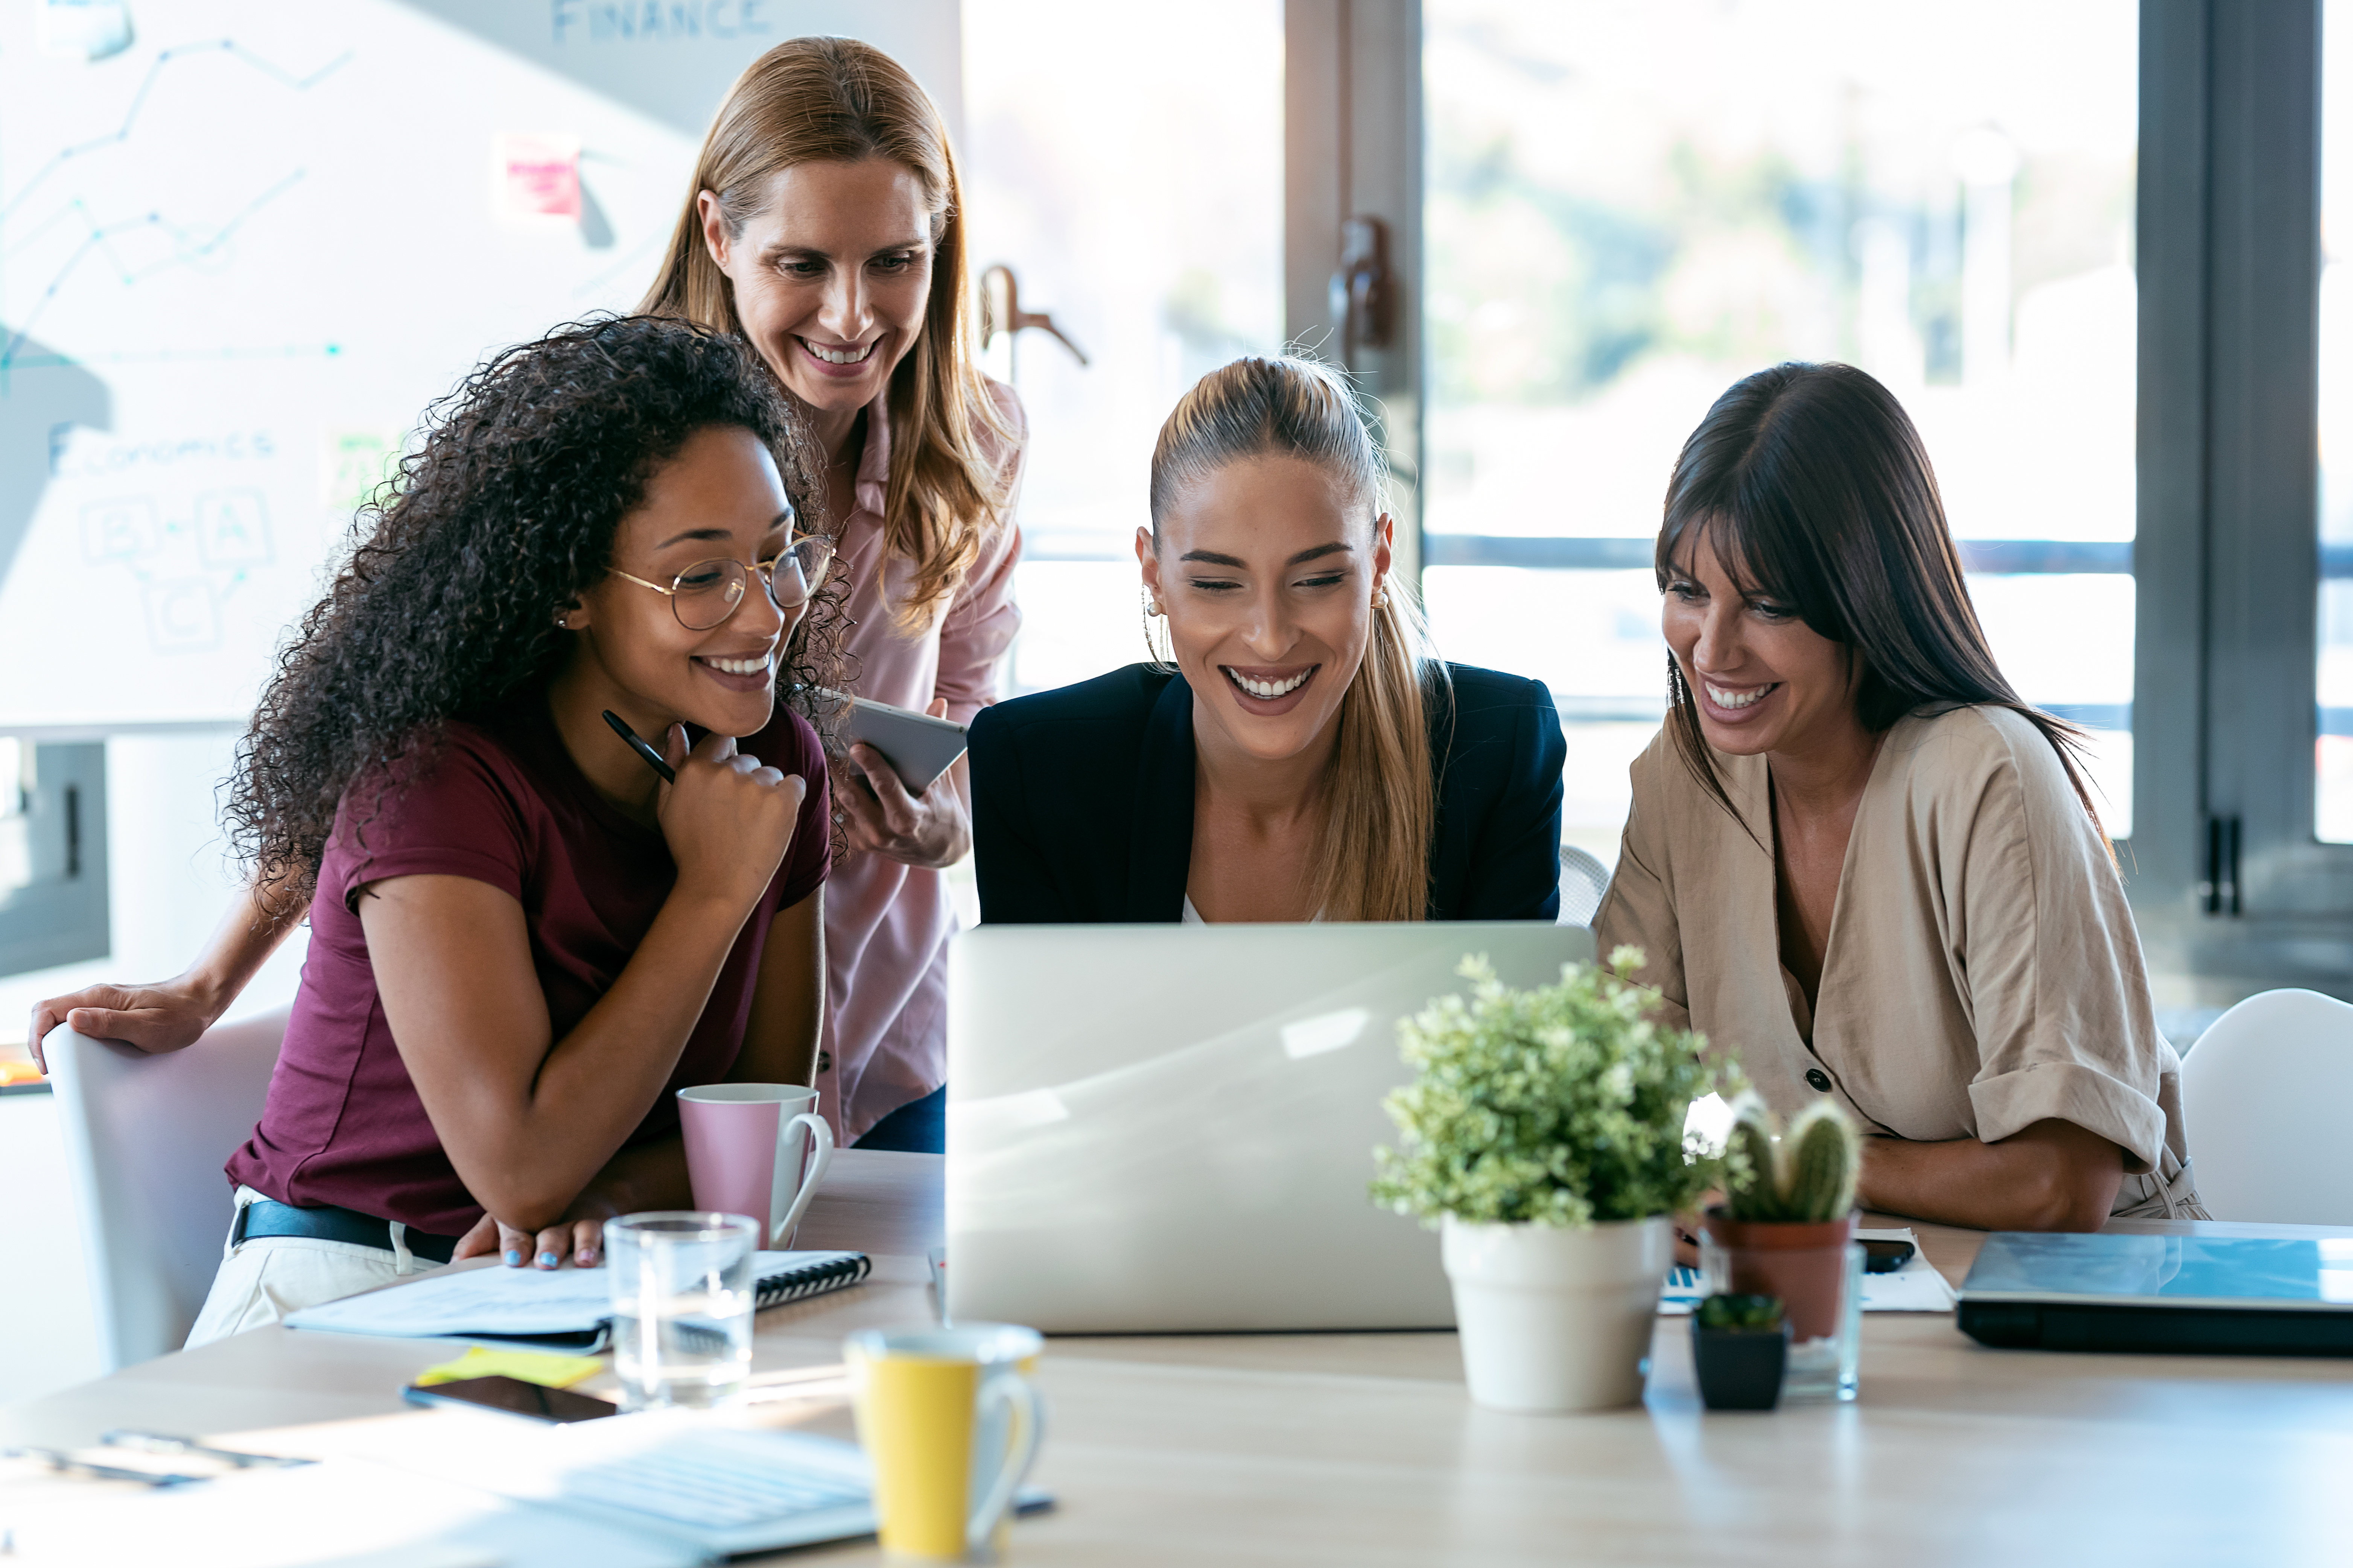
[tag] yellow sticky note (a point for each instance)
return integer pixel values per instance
(528, 1366)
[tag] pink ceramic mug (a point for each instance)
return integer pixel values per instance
(745, 1146)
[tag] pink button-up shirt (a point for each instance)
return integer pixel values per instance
(887, 924)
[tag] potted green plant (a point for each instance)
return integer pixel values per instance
(1786, 1228)
(1739, 1347)
(1544, 1135)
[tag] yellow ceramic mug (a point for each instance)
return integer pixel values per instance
(951, 1425)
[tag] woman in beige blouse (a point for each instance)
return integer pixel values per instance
(1858, 861)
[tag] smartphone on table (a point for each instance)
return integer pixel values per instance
(514, 1396)
(1886, 1255)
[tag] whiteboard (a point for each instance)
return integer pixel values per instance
(243, 243)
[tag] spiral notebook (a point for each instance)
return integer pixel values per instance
(561, 1309)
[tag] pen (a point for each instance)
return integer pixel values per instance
(636, 743)
(164, 1443)
(59, 1459)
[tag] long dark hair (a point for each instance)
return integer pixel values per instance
(1814, 490)
(446, 605)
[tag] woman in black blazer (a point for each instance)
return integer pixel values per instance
(1299, 758)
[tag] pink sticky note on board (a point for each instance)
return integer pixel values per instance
(539, 177)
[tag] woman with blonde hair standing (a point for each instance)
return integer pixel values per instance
(824, 226)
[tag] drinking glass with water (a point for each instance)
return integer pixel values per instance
(682, 1301)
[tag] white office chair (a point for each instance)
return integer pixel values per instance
(145, 1138)
(1583, 880)
(2264, 1093)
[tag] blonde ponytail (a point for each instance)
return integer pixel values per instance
(1381, 798)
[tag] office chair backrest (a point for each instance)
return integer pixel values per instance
(1583, 880)
(145, 1138)
(2263, 1097)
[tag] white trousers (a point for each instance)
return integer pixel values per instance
(266, 1277)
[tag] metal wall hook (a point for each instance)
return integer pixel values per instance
(1001, 312)
(1363, 290)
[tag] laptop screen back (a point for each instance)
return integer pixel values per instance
(1161, 1128)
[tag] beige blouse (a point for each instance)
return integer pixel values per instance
(1982, 972)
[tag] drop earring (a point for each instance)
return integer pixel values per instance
(1380, 598)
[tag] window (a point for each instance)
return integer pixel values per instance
(1628, 206)
(2333, 721)
(53, 905)
(1141, 209)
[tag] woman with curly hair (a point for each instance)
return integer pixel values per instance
(824, 226)
(523, 942)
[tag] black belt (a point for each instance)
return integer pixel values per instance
(268, 1217)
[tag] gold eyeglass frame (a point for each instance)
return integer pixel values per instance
(766, 569)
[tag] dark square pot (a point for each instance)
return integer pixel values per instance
(1739, 1369)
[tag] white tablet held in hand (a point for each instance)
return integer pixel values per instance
(918, 747)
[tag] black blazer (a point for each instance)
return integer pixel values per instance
(1083, 801)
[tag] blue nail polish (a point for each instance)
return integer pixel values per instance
(548, 1261)
(514, 1259)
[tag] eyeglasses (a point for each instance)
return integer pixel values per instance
(706, 593)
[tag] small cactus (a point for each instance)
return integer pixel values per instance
(1809, 1179)
(1750, 1165)
(1823, 1153)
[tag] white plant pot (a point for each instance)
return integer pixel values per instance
(1555, 1319)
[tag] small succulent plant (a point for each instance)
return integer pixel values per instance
(1807, 1179)
(1741, 1314)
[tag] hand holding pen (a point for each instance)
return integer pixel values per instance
(728, 818)
(636, 743)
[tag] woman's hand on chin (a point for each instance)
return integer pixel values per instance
(932, 829)
(729, 819)
(579, 1242)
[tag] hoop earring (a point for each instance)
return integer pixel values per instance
(1151, 609)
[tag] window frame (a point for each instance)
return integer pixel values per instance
(1352, 133)
(2229, 880)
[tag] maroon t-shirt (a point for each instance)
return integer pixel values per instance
(502, 804)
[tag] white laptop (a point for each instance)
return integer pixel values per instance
(1166, 1129)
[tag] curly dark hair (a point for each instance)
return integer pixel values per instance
(445, 607)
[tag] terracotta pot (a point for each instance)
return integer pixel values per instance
(1805, 1265)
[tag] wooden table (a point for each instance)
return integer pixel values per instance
(1363, 1448)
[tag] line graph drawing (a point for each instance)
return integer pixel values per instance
(191, 244)
(187, 248)
(121, 132)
